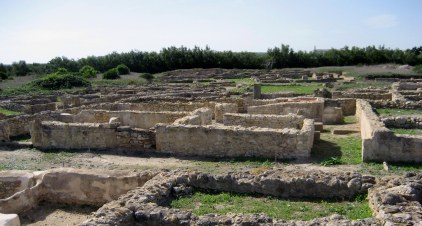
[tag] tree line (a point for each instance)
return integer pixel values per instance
(172, 58)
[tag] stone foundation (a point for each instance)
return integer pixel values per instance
(381, 144)
(66, 186)
(265, 121)
(59, 135)
(310, 108)
(235, 141)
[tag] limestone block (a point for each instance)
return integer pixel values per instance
(222, 108)
(114, 122)
(333, 115)
(9, 220)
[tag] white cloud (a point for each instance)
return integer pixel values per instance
(382, 21)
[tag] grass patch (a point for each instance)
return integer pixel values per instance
(9, 112)
(362, 85)
(351, 119)
(248, 81)
(407, 131)
(335, 150)
(204, 203)
(303, 88)
(58, 157)
(396, 112)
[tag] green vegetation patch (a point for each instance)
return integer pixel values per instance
(397, 112)
(338, 150)
(9, 112)
(407, 131)
(222, 203)
(111, 74)
(418, 69)
(303, 88)
(241, 80)
(362, 85)
(58, 81)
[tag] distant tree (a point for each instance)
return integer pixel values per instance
(20, 68)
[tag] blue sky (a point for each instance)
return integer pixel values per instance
(39, 30)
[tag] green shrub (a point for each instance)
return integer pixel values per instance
(111, 74)
(418, 68)
(88, 72)
(147, 76)
(56, 81)
(61, 71)
(3, 75)
(123, 69)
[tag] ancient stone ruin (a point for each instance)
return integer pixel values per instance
(186, 119)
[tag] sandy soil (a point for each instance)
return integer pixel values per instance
(48, 214)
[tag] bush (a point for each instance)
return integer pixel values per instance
(123, 69)
(147, 76)
(56, 81)
(62, 71)
(88, 72)
(3, 75)
(111, 74)
(418, 69)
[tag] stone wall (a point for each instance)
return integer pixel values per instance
(67, 186)
(21, 124)
(59, 135)
(201, 116)
(146, 205)
(348, 105)
(265, 121)
(380, 143)
(134, 119)
(397, 104)
(408, 85)
(333, 115)
(310, 109)
(363, 95)
(32, 109)
(223, 108)
(157, 106)
(232, 141)
(406, 122)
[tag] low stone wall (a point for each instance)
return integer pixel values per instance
(66, 186)
(362, 95)
(348, 105)
(231, 141)
(223, 108)
(59, 135)
(157, 106)
(146, 205)
(332, 115)
(408, 85)
(21, 124)
(278, 95)
(201, 116)
(406, 122)
(380, 143)
(134, 119)
(397, 200)
(310, 109)
(265, 121)
(397, 104)
(32, 109)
